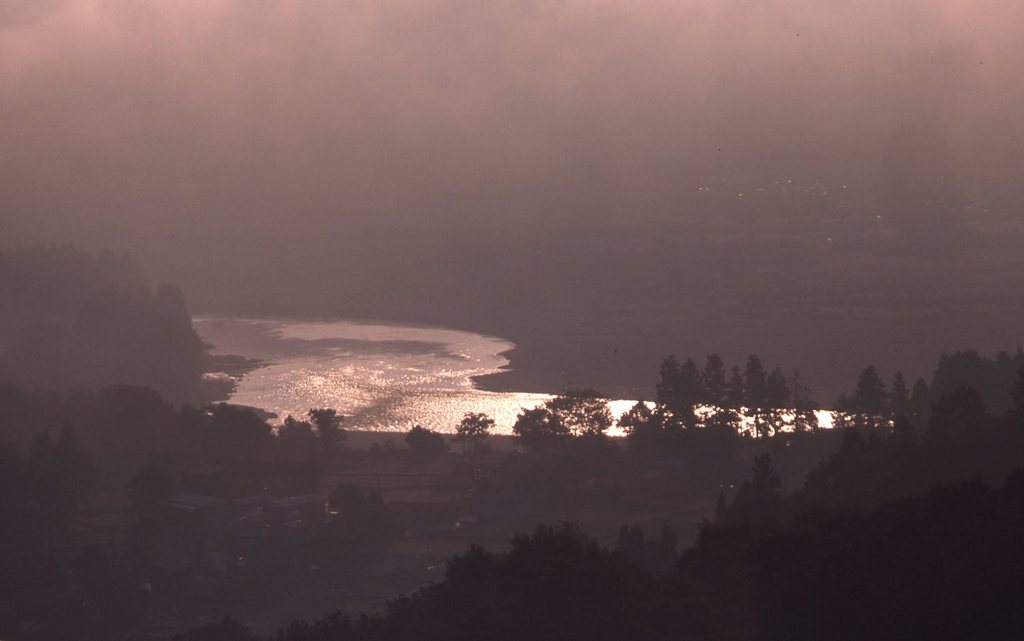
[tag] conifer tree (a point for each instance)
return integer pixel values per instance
(735, 393)
(1017, 396)
(899, 397)
(714, 381)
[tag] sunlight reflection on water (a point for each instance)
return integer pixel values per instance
(381, 377)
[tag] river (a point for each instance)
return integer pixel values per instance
(381, 376)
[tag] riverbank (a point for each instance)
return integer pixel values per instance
(382, 376)
(554, 364)
(221, 375)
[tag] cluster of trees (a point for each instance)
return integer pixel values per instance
(250, 455)
(655, 554)
(424, 445)
(873, 404)
(941, 566)
(122, 429)
(688, 397)
(129, 438)
(473, 429)
(321, 430)
(989, 376)
(574, 414)
(937, 567)
(961, 440)
(40, 490)
(892, 536)
(557, 579)
(682, 387)
(81, 320)
(711, 397)
(359, 519)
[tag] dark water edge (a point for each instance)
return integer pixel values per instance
(537, 365)
(545, 358)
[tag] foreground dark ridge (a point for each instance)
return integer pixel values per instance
(854, 540)
(939, 567)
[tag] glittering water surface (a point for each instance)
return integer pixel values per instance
(380, 376)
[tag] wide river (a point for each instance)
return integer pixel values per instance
(382, 377)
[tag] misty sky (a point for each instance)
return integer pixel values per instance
(221, 141)
(134, 118)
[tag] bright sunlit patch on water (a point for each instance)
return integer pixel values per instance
(381, 377)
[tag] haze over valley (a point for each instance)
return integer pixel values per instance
(382, 320)
(598, 183)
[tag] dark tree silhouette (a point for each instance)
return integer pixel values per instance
(755, 386)
(226, 431)
(539, 428)
(899, 396)
(903, 430)
(655, 555)
(1017, 398)
(583, 412)
(645, 429)
(869, 397)
(424, 445)
(765, 479)
(735, 391)
(680, 390)
(779, 398)
(757, 499)
(755, 383)
(721, 506)
(714, 381)
(960, 411)
(804, 418)
(991, 377)
(358, 518)
(474, 428)
(920, 405)
(638, 418)
(56, 476)
(575, 413)
(328, 425)
(630, 542)
(869, 402)
(296, 439)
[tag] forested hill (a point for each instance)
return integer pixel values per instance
(72, 319)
